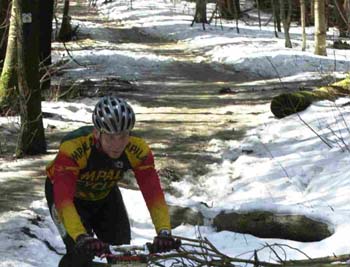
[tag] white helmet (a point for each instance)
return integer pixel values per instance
(113, 115)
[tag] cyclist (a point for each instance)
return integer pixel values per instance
(81, 188)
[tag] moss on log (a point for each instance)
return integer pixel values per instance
(269, 225)
(289, 103)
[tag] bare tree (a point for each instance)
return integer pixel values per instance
(200, 15)
(342, 16)
(286, 17)
(320, 28)
(45, 17)
(31, 139)
(5, 10)
(66, 31)
(303, 23)
(229, 9)
(276, 16)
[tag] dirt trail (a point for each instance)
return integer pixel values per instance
(184, 107)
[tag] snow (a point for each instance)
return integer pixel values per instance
(288, 169)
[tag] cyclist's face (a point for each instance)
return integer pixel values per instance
(114, 144)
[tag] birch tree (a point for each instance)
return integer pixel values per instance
(320, 28)
(9, 74)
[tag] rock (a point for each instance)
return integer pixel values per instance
(286, 104)
(51, 128)
(169, 174)
(226, 90)
(184, 215)
(339, 44)
(269, 225)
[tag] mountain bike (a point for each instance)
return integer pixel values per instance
(130, 255)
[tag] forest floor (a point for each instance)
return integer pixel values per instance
(187, 103)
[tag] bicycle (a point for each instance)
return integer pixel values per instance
(130, 255)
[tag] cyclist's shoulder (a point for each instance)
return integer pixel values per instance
(78, 142)
(82, 133)
(136, 140)
(137, 149)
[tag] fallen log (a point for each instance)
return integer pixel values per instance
(269, 225)
(289, 103)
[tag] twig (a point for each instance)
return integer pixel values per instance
(73, 59)
(319, 136)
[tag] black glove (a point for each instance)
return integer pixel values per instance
(86, 244)
(164, 242)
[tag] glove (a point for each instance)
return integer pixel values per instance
(86, 244)
(164, 242)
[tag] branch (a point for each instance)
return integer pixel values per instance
(201, 252)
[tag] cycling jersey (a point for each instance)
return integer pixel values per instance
(81, 170)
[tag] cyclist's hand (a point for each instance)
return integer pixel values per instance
(86, 244)
(164, 242)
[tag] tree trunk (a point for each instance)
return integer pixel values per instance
(234, 8)
(237, 7)
(312, 10)
(347, 14)
(320, 28)
(9, 72)
(201, 11)
(259, 16)
(302, 19)
(342, 16)
(286, 17)
(5, 10)
(31, 138)
(276, 16)
(229, 9)
(65, 34)
(45, 17)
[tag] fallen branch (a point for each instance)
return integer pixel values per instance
(201, 252)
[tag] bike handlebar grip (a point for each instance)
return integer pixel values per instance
(177, 244)
(107, 248)
(151, 248)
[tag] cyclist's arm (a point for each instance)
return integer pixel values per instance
(149, 183)
(64, 174)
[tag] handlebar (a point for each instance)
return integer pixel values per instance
(147, 248)
(139, 253)
(128, 249)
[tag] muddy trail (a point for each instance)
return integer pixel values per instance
(188, 103)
